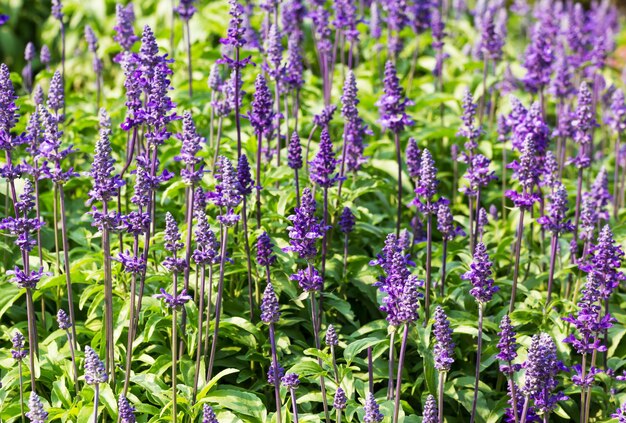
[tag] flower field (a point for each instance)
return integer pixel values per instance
(312, 211)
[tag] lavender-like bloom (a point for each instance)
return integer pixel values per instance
(172, 234)
(228, 190)
(445, 222)
(55, 93)
(8, 108)
(95, 372)
(491, 42)
(323, 118)
(600, 194)
(469, 129)
(346, 221)
(126, 411)
(480, 275)
(620, 414)
(271, 373)
(186, 9)
(617, 118)
(528, 175)
(322, 168)
(274, 50)
(29, 52)
(392, 105)
(23, 279)
(125, 33)
(309, 279)
(293, 68)
(4, 19)
(430, 413)
(261, 115)
(105, 185)
(18, 352)
(340, 401)
(438, 32)
(561, 85)
(294, 152)
(539, 59)
(372, 411)
(605, 261)
(354, 129)
(588, 217)
(556, 220)
(57, 10)
(306, 228)
(208, 415)
(413, 158)
(244, 176)
(290, 380)
(427, 184)
(542, 366)
(583, 125)
(270, 309)
(444, 347)
(507, 345)
(331, 336)
(550, 171)
(402, 297)
(37, 414)
(207, 246)
(92, 40)
(235, 35)
(478, 174)
(177, 300)
(264, 254)
(191, 146)
(63, 320)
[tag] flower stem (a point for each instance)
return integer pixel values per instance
(518, 247)
(73, 354)
(131, 320)
(478, 355)
(108, 298)
(316, 335)
(525, 409)
(442, 380)
(429, 255)
(21, 391)
(294, 405)
(391, 365)
(396, 139)
(66, 258)
(218, 302)
(31, 334)
(513, 395)
(370, 370)
(96, 400)
(276, 374)
(174, 356)
(335, 368)
(553, 243)
(443, 267)
(189, 69)
(199, 340)
(259, 137)
(396, 408)
(208, 315)
(244, 218)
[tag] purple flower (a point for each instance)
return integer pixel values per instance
(550, 171)
(491, 42)
(172, 235)
(445, 222)
(539, 59)
(293, 14)
(186, 9)
(478, 174)
(56, 97)
(36, 413)
(620, 414)
(600, 195)
(228, 190)
(293, 68)
(323, 118)
(542, 367)
(346, 221)
(589, 218)
(393, 103)
(354, 129)
(427, 184)
(605, 261)
(274, 51)
(372, 411)
(57, 10)
(469, 130)
(244, 175)
(29, 52)
(4, 19)
(28, 280)
(191, 146)
(556, 221)
(92, 40)
(261, 115)
(322, 32)
(306, 228)
(507, 345)
(63, 320)
(270, 312)
(444, 347)
(430, 413)
(294, 152)
(105, 185)
(290, 381)
(617, 118)
(413, 158)
(331, 336)
(271, 372)
(8, 108)
(265, 256)
(130, 263)
(229, 219)
(44, 55)
(208, 415)
(18, 352)
(95, 372)
(480, 275)
(527, 173)
(583, 124)
(340, 401)
(174, 301)
(309, 279)
(236, 32)
(126, 411)
(561, 85)
(207, 246)
(125, 33)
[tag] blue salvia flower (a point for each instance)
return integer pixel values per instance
(308, 279)
(191, 146)
(372, 410)
(605, 261)
(507, 345)
(56, 98)
(94, 368)
(105, 184)
(186, 9)
(18, 352)
(294, 152)
(57, 10)
(125, 20)
(430, 414)
(306, 228)
(207, 246)
(63, 320)
(620, 414)
(392, 105)
(208, 415)
(322, 168)
(480, 275)
(264, 251)
(261, 115)
(37, 414)
(331, 338)
(126, 411)
(444, 347)
(556, 220)
(244, 175)
(290, 380)
(340, 401)
(270, 309)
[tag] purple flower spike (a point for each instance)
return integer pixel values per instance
(294, 68)
(55, 93)
(617, 120)
(480, 275)
(340, 401)
(430, 413)
(491, 42)
(105, 184)
(36, 413)
(427, 184)
(469, 129)
(291, 381)
(244, 175)
(236, 32)
(605, 261)
(309, 279)
(264, 254)
(228, 190)
(444, 347)
(186, 9)
(18, 352)
(125, 33)
(507, 345)
(620, 414)
(372, 410)
(306, 228)
(271, 372)
(294, 152)
(95, 372)
(331, 336)
(174, 301)
(323, 118)
(413, 158)
(542, 367)
(270, 309)
(346, 221)
(4, 18)
(445, 222)
(556, 220)
(261, 115)
(600, 194)
(63, 320)
(392, 105)
(44, 55)
(527, 173)
(207, 246)
(323, 167)
(57, 10)
(208, 415)
(126, 411)
(539, 59)
(172, 234)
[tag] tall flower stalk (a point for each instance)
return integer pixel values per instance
(392, 105)
(64, 324)
(291, 381)
(92, 43)
(95, 374)
(346, 225)
(245, 185)
(57, 13)
(186, 10)
(19, 353)
(294, 161)
(482, 290)
(445, 225)
(270, 314)
(507, 346)
(444, 352)
(617, 122)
